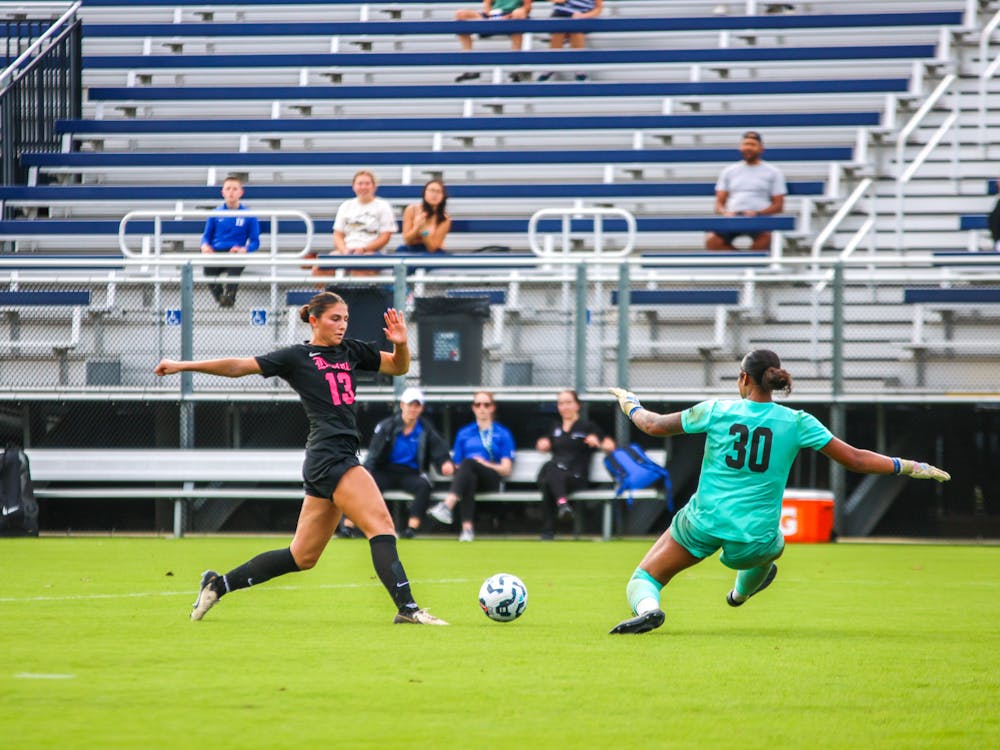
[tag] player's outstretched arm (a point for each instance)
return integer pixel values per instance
(870, 462)
(228, 368)
(650, 422)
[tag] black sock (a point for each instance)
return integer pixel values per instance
(264, 567)
(390, 570)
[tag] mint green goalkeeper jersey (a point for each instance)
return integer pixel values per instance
(749, 449)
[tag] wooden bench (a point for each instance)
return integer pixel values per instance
(186, 475)
(949, 303)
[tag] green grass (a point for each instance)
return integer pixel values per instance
(854, 646)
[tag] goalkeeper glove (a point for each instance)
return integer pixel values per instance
(627, 400)
(919, 470)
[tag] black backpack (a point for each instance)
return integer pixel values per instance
(18, 508)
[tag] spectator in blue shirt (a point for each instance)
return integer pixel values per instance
(484, 455)
(229, 234)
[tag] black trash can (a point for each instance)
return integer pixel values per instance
(451, 339)
(366, 305)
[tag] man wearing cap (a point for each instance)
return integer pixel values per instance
(751, 187)
(402, 450)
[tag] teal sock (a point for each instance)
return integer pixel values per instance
(642, 586)
(747, 581)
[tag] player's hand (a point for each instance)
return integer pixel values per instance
(627, 400)
(167, 367)
(395, 327)
(920, 470)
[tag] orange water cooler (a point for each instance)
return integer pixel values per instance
(807, 515)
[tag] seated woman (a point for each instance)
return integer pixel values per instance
(426, 224)
(571, 441)
(483, 455)
(363, 226)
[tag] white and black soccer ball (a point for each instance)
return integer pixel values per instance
(503, 597)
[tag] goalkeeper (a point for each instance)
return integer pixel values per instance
(749, 449)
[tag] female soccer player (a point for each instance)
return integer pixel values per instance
(749, 449)
(321, 371)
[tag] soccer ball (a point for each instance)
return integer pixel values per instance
(503, 597)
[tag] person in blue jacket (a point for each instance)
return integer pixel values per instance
(229, 234)
(483, 455)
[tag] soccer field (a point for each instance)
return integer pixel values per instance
(854, 646)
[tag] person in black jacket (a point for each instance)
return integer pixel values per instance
(402, 450)
(571, 441)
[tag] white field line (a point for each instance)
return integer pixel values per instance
(192, 592)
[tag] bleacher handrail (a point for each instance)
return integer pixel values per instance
(987, 71)
(846, 208)
(904, 171)
(567, 214)
(158, 215)
(35, 46)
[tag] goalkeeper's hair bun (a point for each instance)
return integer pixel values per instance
(764, 368)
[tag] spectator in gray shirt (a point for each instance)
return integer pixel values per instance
(751, 187)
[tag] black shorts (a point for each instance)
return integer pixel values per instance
(728, 237)
(322, 472)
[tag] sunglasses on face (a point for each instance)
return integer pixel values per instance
(482, 404)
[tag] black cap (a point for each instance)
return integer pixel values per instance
(757, 362)
(753, 134)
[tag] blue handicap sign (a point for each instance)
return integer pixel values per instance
(258, 317)
(173, 317)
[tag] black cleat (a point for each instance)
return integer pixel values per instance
(640, 624)
(467, 76)
(767, 582)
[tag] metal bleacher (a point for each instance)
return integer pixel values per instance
(297, 97)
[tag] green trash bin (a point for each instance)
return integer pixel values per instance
(450, 339)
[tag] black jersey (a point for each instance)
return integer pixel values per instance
(323, 376)
(570, 450)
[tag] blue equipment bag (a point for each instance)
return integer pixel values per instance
(633, 470)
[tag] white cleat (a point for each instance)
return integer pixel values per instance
(417, 617)
(206, 595)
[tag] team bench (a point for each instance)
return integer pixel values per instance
(188, 475)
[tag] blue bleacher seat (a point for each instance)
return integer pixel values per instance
(381, 158)
(584, 57)
(606, 25)
(78, 193)
(497, 90)
(736, 120)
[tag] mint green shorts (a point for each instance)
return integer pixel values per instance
(735, 555)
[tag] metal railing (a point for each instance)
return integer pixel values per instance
(863, 349)
(546, 249)
(152, 244)
(42, 85)
(905, 172)
(987, 71)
